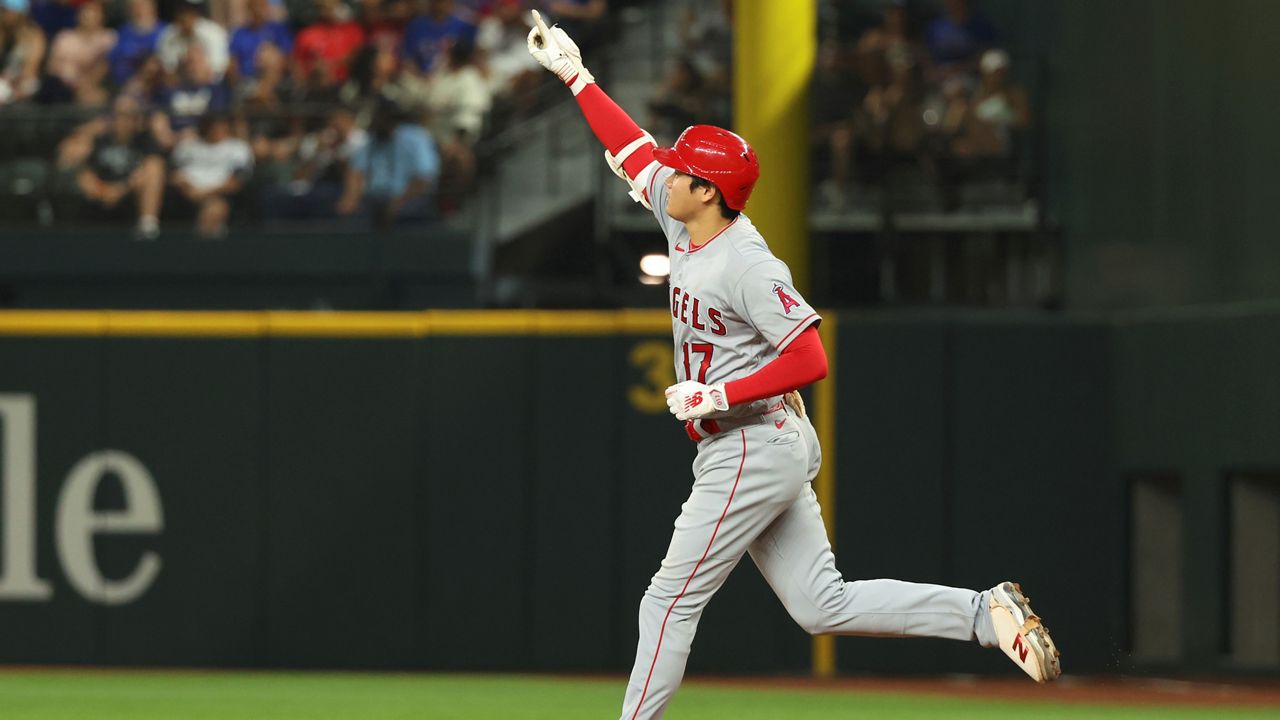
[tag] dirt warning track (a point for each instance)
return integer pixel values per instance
(1079, 690)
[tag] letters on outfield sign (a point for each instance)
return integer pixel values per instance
(76, 522)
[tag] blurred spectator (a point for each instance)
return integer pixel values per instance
(578, 11)
(322, 158)
(270, 86)
(54, 16)
(149, 85)
(376, 76)
(834, 96)
(73, 150)
(581, 19)
(235, 13)
(78, 60)
(681, 101)
(983, 126)
(473, 11)
(889, 128)
(260, 30)
(274, 138)
(147, 92)
(458, 101)
(890, 123)
(893, 39)
(391, 178)
(379, 76)
(208, 170)
(957, 37)
(428, 35)
(124, 172)
(503, 38)
(385, 21)
(22, 48)
(196, 94)
(323, 49)
(706, 36)
(190, 29)
(135, 41)
(457, 97)
(979, 141)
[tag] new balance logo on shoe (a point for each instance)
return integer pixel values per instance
(1020, 647)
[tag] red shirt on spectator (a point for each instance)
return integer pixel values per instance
(328, 43)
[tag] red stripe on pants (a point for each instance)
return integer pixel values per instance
(692, 575)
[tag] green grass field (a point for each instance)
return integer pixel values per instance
(124, 695)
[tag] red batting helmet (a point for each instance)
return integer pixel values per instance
(716, 155)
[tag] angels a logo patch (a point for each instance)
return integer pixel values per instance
(787, 301)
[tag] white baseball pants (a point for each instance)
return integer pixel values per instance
(752, 494)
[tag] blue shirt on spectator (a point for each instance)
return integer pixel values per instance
(132, 45)
(389, 167)
(246, 40)
(952, 42)
(424, 38)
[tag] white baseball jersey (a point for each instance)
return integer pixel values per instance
(733, 305)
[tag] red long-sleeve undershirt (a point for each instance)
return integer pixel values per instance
(801, 363)
(614, 128)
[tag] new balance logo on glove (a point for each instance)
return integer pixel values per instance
(691, 400)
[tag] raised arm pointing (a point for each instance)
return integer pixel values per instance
(628, 149)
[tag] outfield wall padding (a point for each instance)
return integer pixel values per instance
(454, 500)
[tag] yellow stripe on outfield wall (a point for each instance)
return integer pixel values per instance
(273, 323)
(167, 324)
(52, 322)
(824, 417)
(344, 324)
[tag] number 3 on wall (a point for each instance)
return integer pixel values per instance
(653, 359)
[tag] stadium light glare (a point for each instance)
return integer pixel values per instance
(655, 265)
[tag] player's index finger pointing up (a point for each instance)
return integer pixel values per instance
(543, 32)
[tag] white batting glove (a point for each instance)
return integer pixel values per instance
(691, 400)
(555, 51)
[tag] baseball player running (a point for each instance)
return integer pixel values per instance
(745, 339)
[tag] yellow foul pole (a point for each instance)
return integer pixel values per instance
(774, 47)
(824, 421)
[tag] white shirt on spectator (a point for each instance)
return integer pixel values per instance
(209, 165)
(458, 99)
(508, 52)
(311, 149)
(171, 48)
